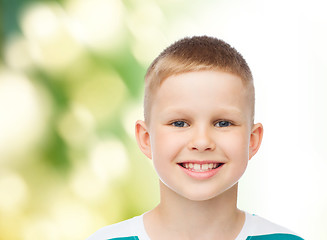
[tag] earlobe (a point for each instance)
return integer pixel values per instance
(255, 139)
(143, 138)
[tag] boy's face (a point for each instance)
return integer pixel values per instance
(200, 136)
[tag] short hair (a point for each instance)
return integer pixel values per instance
(198, 53)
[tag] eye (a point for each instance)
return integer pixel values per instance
(223, 124)
(180, 124)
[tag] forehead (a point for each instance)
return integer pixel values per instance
(205, 90)
(203, 84)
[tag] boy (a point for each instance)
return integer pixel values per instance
(199, 132)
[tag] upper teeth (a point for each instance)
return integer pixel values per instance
(200, 167)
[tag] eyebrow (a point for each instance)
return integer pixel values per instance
(186, 111)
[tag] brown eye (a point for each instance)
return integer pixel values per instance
(180, 124)
(223, 124)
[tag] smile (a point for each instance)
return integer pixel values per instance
(198, 167)
(201, 170)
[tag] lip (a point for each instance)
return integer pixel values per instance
(201, 175)
(199, 161)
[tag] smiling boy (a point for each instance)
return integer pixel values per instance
(200, 134)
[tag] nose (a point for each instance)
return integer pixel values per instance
(202, 140)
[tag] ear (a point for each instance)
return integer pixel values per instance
(255, 139)
(143, 138)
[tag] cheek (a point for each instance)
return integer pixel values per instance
(166, 146)
(236, 147)
(165, 150)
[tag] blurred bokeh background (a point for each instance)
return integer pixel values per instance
(71, 85)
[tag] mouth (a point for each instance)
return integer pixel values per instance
(200, 167)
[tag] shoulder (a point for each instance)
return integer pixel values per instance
(125, 230)
(259, 228)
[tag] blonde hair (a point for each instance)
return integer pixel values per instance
(193, 54)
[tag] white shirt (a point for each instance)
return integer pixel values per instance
(254, 228)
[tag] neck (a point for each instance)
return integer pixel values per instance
(189, 219)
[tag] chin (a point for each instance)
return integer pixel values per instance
(198, 196)
(210, 194)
